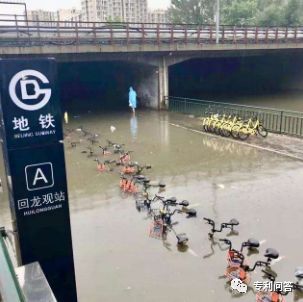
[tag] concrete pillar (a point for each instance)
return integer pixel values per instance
(163, 83)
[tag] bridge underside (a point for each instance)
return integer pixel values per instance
(141, 48)
(101, 79)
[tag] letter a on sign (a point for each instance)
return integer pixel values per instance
(39, 176)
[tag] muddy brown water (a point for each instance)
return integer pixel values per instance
(116, 260)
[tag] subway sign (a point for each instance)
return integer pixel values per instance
(31, 131)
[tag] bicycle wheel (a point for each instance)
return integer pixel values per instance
(243, 134)
(225, 130)
(235, 131)
(217, 128)
(262, 131)
(204, 124)
(211, 127)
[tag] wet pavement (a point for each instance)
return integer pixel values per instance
(115, 258)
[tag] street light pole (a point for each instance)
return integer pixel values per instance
(217, 21)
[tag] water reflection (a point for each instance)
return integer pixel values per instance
(213, 243)
(229, 147)
(134, 127)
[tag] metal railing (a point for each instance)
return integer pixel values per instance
(9, 286)
(279, 121)
(38, 33)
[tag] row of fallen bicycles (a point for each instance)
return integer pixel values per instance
(162, 212)
(113, 157)
(233, 126)
(238, 271)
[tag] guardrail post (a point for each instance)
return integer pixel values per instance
(38, 32)
(17, 29)
(281, 122)
(58, 30)
(211, 34)
(277, 34)
(158, 34)
(245, 35)
(185, 34)
(198, 35)
(111, 34)
(266, 35)
(77, 36)
(94, 33)
(143, 34)
(296, 34)
(172, 34)
(257, 35)
(234, 35)
(127, 34)
(223, 33)
(286, 34)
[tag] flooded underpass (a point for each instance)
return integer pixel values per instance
(115, 258)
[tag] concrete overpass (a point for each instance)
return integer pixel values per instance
(156, 45)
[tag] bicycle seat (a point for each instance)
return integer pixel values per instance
(172, 199)
(234, 221)
(146, 180)
(299, 272)
(184, 203)
(271, 253)
(182, 238)
(162, 185)
(191, 212)
(253, 243)
(140, 177)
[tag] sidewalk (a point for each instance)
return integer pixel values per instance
(277, 143)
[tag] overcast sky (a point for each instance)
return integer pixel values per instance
(56, 4)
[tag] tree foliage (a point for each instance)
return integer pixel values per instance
(192, 11)
(239, 12)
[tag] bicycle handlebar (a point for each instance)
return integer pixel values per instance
(297, 286)
(209, 221)
(228, 242)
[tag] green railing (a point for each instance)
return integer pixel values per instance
(9, 287)
(284, 122)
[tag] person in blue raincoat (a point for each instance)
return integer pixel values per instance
(132, 99)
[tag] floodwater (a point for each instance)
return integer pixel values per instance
(115, 258)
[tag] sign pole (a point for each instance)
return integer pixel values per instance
(33, 149)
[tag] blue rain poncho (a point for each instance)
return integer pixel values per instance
(132, 98)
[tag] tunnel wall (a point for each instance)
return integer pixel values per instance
(105, 85)
(213, 77)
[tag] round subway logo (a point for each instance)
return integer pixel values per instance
(26, 92)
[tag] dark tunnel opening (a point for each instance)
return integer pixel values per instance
(253, 80)
(233, 79)
(101, 85)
